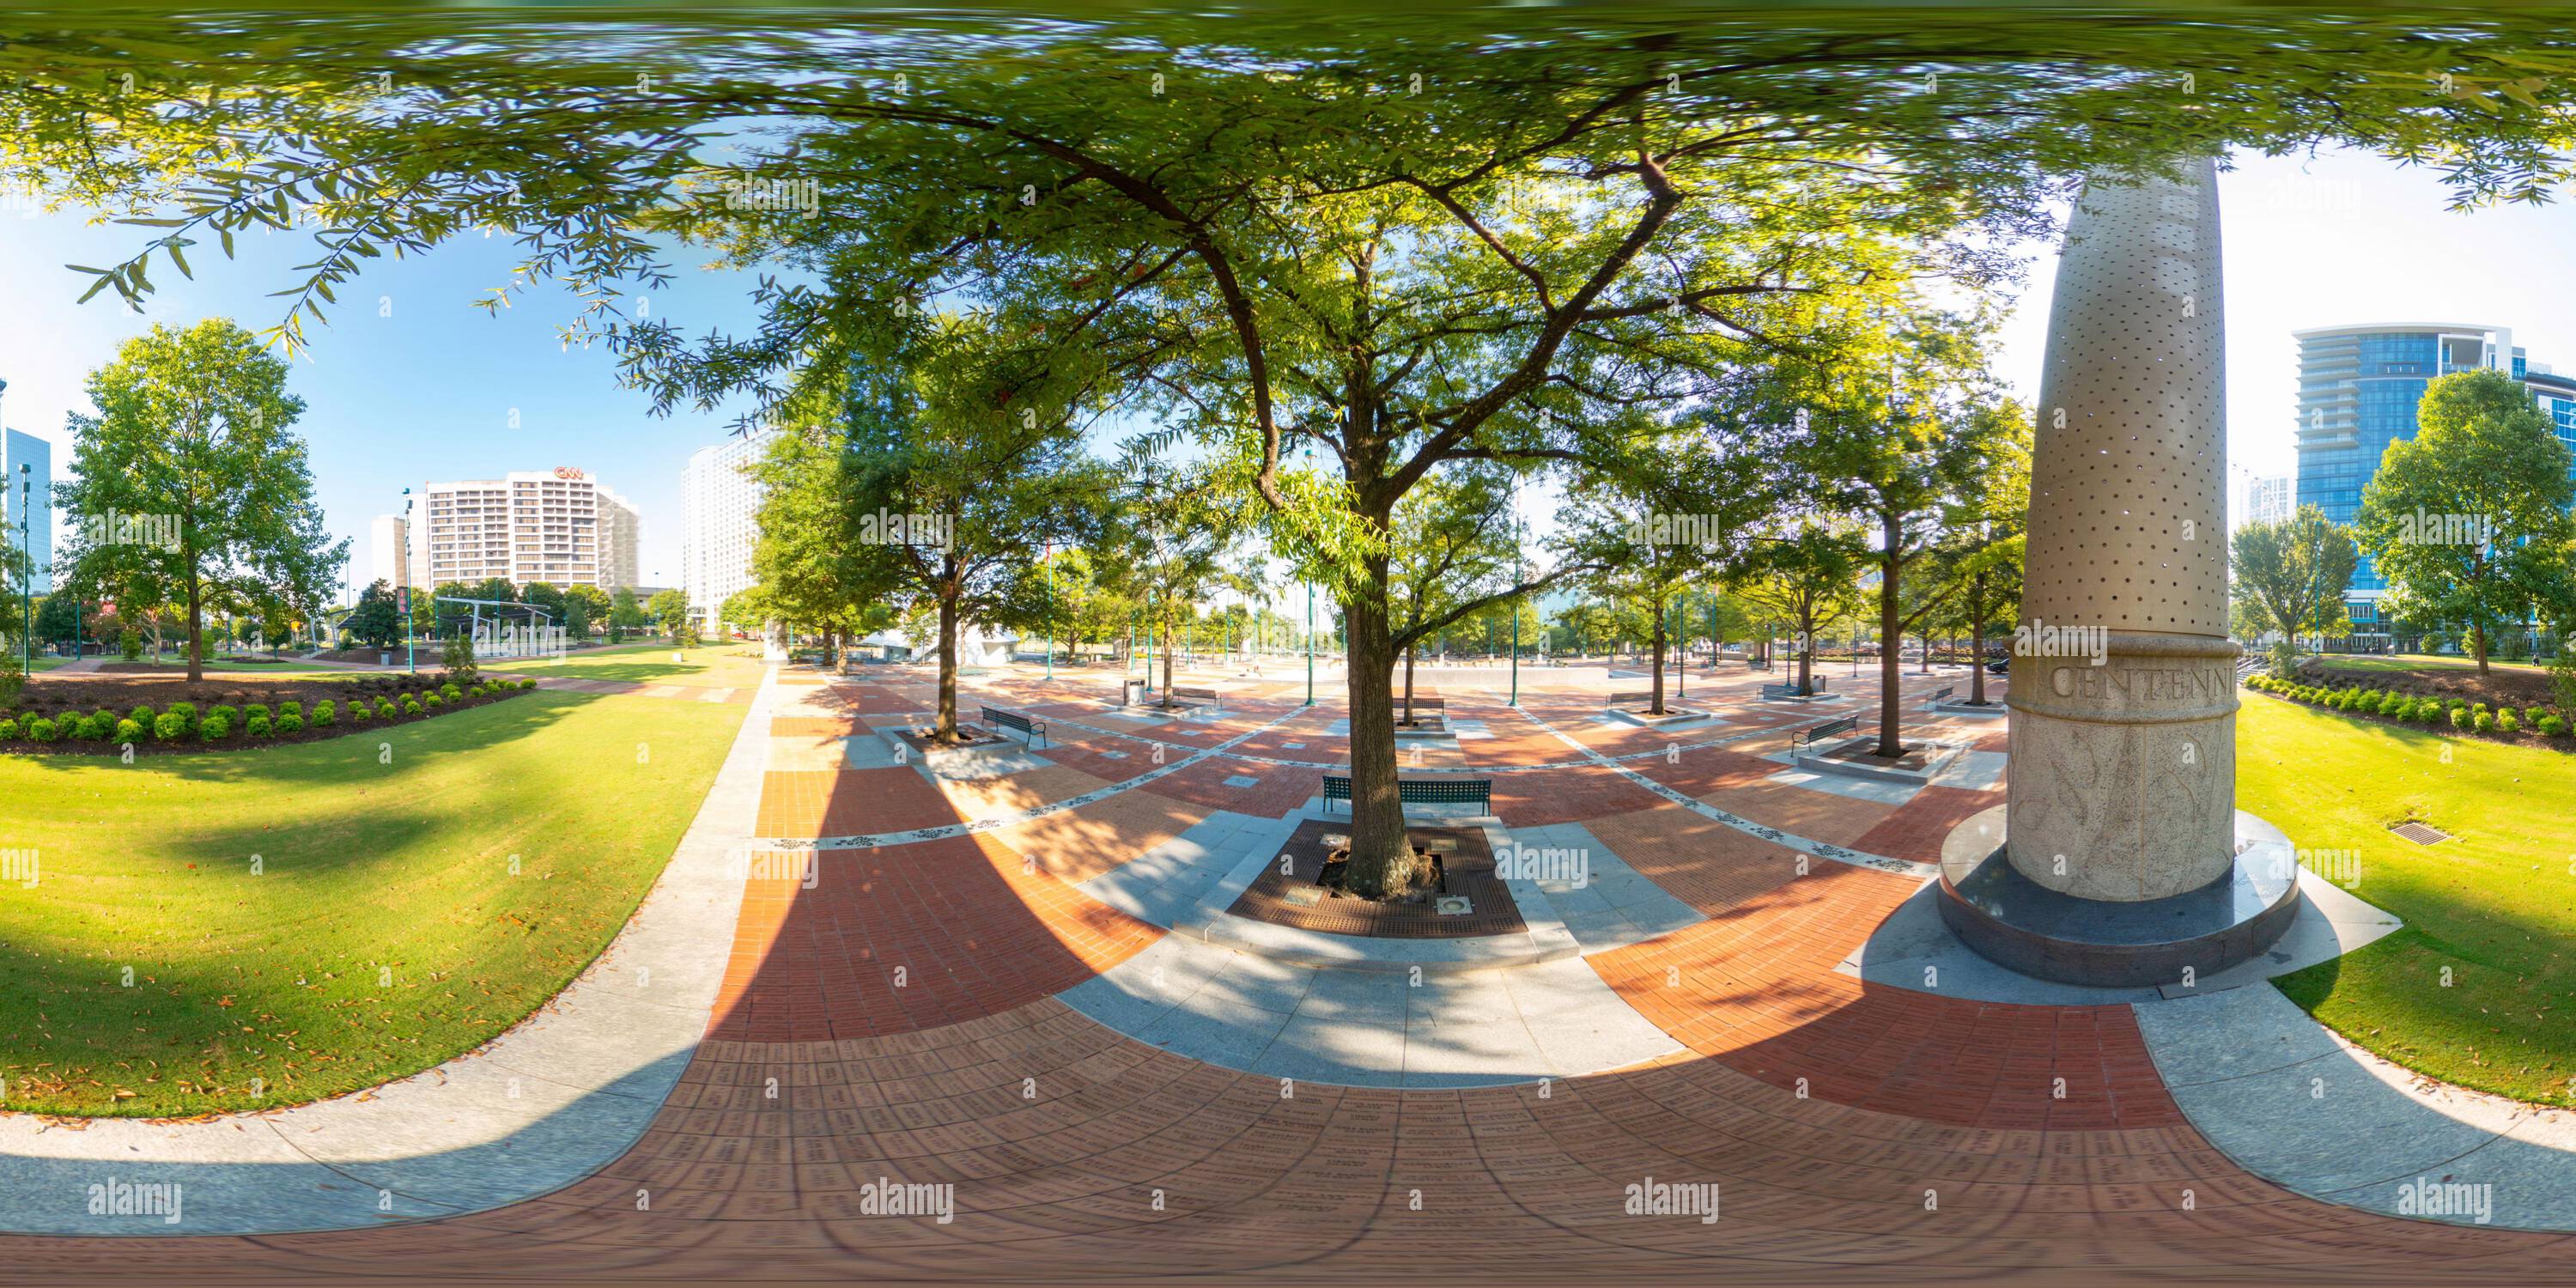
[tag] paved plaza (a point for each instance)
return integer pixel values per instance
(1028, 985)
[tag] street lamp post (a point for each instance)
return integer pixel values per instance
(27, 561)
(411, 654)
(1310, 643)
(1049, 563)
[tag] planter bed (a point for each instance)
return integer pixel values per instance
(67, 701)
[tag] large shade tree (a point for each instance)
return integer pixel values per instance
(2468, 520)
(190, 481)
(1404, 241)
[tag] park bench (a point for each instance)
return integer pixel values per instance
(1420, 704)
(1829, 729)
(1208, 695)
(1421, 791)
(1619, 698)
(1942, 694)
(1014, 720)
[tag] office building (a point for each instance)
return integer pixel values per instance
(2260, 498)
(389, 550)
(2358, 390)
(719, 517)
(558, 526)
(36, 499)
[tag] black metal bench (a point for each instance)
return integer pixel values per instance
(1421, 791)
(1829, 729)
(1014, 720)
(1209, 695)
(1419, 704)
(1943, 693)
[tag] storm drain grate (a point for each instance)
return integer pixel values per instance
(2421, 833)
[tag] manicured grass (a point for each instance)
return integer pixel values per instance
(421, 888)
(2413, 661)
(2496, 908)
(728, 665)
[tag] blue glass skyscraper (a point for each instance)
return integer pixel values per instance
(2358, 389)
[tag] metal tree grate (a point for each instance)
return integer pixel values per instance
(2421, 833)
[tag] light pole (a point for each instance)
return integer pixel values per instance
(1310, 643)
(27, 561)
(411, 657)
(1047, 561)
(1681, 616)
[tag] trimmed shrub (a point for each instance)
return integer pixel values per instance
(2459, 717)
(2505, 722)
(2532, 716)
(290, 724)
(8, 730)
(256, 711)
(257, 728)
(230, 714)
(128, 731)
(432, 701)
(290, 708)
(170, 726)
(43, 730)
(450, 692)
(141, 716)
(216, 728)
(325, 713)
(360, 712)
(2552, 726)
(93, 728)
(2483, 722)
(184, 710)
(527, 684)
(385, 708)
(411, 708)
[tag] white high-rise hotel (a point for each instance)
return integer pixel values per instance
(719, 522)
(558, 526)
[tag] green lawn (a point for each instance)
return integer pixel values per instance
(2412, 661)
(728, 665)
(386, 931)
(2496, 907)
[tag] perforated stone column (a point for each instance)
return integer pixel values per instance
(2123, 679)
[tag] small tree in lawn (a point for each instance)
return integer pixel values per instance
(669, 609)
(458, 658)
(2468, 520)
(375, 622)
(2290, 577)
(624, 614)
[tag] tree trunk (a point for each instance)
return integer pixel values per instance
(1977, 641)
(1656, 707)
(1167, 664)
(2477, 643)
(1807, 660)
(1891, 637)
(1411, 651)
(1382, 856)
(946, 730)
(196, 649)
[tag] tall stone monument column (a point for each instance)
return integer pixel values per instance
(2119, 856)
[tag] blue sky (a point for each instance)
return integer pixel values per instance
(427, 392)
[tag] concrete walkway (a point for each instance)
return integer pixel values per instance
(540, 1107)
